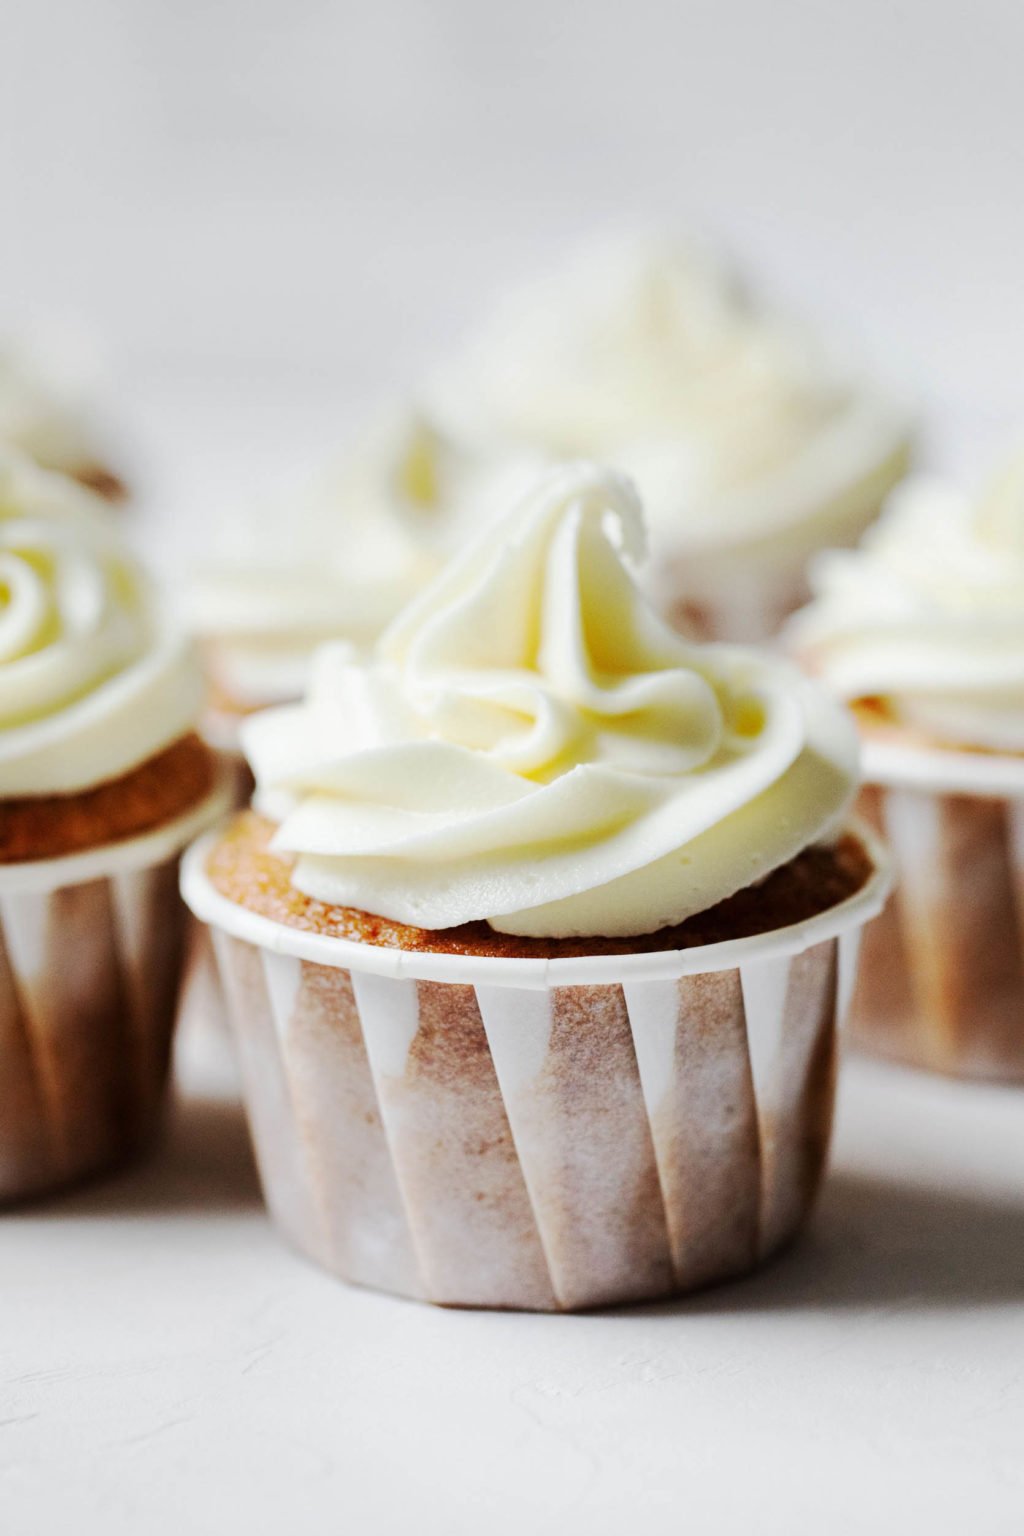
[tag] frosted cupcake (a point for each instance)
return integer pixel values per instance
(102, 782)
(752, 447)
(45, 416)
(537, 934)
(336, 561)
(922, 629)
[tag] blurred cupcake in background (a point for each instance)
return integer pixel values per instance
(537, 937)
(921, 629)
(751, 446)
(102, 782)
(337, 560)
(46, 413)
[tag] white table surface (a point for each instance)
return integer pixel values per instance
(169, 1365)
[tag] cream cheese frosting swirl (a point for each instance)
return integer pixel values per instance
(341, 558)
(531, 745)
(927, 615)
(736, 426)
(92, 682)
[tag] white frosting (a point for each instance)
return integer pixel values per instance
(91, 681)
(340, 560)
(531, 745)
(43, 413)
(928, 614)
(742, 436)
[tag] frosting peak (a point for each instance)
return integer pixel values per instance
(538, 648)
(91, 682)
(737, 426)
(43, 411)
(340, 559)
(927, 615)
(532, 746)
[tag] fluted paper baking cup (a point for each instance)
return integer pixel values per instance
(542, 1134)
(202, 1008)
(90, 955)
(942, 985)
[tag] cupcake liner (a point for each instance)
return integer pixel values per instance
(90, 951)
(942, 985)
(536, 1134)
(202, 1007)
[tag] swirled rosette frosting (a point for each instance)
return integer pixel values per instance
(340, 559)
(531, 745)
(92, 682)
(742, 434)
(926, 617)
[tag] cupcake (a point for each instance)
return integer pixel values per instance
(336, 561)
(102, 782)
(44, 415)
(752, 448)
(536, 934)
(922, 630)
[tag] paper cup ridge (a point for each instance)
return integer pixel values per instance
(542, 1148)
(942, 984)
(90, 960)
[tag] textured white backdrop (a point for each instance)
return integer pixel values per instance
(273, 212)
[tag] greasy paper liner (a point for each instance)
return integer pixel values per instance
(547, 1135)
(202, 1007)
(90, 961)
(942, 983)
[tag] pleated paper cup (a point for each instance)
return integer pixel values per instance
(90, 961)
(540, 1134)
(202, 1008)
(942, 985)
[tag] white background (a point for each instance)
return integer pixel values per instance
(272, 212)
(271, 215)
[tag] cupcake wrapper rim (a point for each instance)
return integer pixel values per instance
(212, 907)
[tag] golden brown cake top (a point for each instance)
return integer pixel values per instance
(243, 867)
(160, 790)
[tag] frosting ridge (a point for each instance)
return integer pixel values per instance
(92, 682)
(927, 615)
(530, 744)
(653, 356)
(341, 558)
